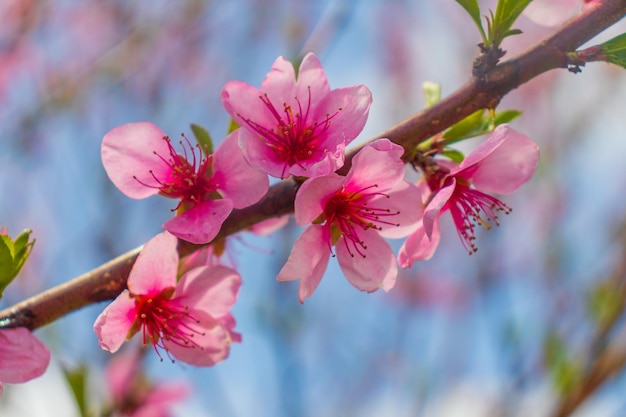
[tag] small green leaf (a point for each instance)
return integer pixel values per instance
(564, 372)
(471, 7)
(203, 138)
(232, 126)
(432, 92)
(464, 127)
(605, 302)
(77, 380)
(505, 116)
(615, 50)
(455, 155)
(507, 13)
(13, 255)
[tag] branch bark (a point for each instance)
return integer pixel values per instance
(108, 280)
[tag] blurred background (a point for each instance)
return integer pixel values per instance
(504, 332)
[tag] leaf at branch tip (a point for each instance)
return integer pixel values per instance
(203, 138)
(13, 255)
(77, 380)
(564, 371)
(432, 93)
(232, 126)
(605, 303)
(471, 7)
(507, 13)
(615, 50)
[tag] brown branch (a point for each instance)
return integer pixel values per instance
(108, 280)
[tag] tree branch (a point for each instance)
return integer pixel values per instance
(108, 280)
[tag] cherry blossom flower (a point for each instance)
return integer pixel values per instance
(354, 213)
(296, 127)
(188, 318)
(133, 395)
(500, 165)
(141, 161)
(22, 356)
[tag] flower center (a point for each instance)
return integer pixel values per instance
(294, 139)
(190, 175)
(468, 206)
(348, 212)
(163, 319)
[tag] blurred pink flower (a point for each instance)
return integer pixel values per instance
(22, 356)
(188, 318)
(501, 164)
(296, 127)
(554, 12)
(133, 395)
(354, 213)
(140, 161)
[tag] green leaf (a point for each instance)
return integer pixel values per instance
(477, 124)
(615, 50)
(507, 13)
(13, 255)
(564, 371)
(432, 92)
(605, 302)
(203, 138)
(455, 155)
(6, 262)
(77, 379)
(471, 7)
(232, 126)
(461, 129)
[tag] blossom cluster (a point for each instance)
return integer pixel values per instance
(294, 125)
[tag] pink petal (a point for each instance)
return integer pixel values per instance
(259, 155)
(311, 77)
(378, 269)
(120, 372)
(156, 266)
(331, 161)
(210, 289)
(159, 401)
(114, 324)
(377, 163)
(242, 101)
(22, 356)
(433, 209)
(351, 105)
(280, 83)
(235, 178)
(418, 246)
(312, 197)
(501, 164)
(307, 261)
(200, 224)
(128, 151)
(405, 199)
(213, 340)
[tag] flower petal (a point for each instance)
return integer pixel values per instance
(235, 178)
(156, 266)
(418, 246)
(377, 163)
(313, 195)
(22, 356)
(307, 261)
(433, 209)
(501, 164)
(114, 324)
(311, 78)
(212, 339)
(210, 289)
(128, 151)
(405, 199)
(378, 269)
(200, 224)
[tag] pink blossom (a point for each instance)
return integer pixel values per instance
(354, 213)
(188, 318)
(296, 126)
(141, 161)
(554, 12)
(133, 395)
(501, 164)
(22, 356)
